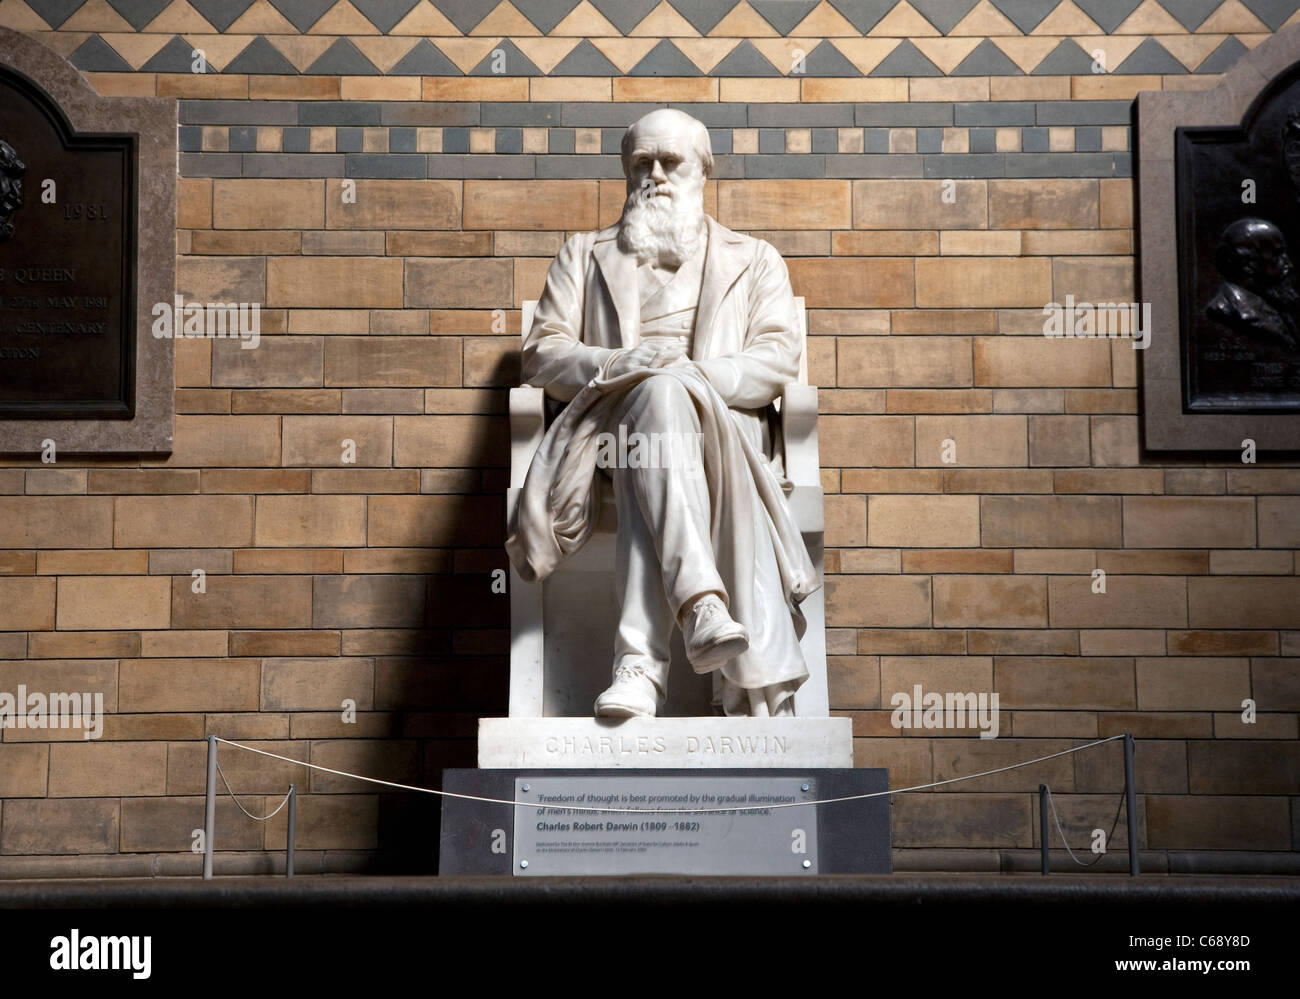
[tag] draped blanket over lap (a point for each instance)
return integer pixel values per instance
(559, 504)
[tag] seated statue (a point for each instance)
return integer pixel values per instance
(668, 328)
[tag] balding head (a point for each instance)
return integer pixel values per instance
(668, 125)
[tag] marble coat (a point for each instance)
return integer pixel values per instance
(745, 348)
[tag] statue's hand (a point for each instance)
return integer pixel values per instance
(659, 354)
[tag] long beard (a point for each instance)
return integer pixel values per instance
(663, 231)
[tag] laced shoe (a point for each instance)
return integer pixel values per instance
(631, 694)
(711, 637)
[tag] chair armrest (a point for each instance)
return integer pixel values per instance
(527, 425)
(799, 429)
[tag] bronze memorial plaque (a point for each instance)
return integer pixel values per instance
(67, 263)
(1239, 229)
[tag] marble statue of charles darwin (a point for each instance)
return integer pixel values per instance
(670, 328)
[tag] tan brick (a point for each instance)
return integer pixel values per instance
(1108, 480)
(166, 824)
(1276, 684)
(43, 827)
(962, 820)
(908, 760)
(905, 361)
(1129, 602)
(269, 204)
(784, 204)
(55, 481)
(1186, 522)
(183, 521)
(1095, 280)
(891, 480)
(1263, 480)
(938, 400)
(276, 362)
(1003, 480)
(365, 480)
(1115, 440)
(980, 440)
(221, 279)
(56, 522)
(1051, 521)
(1193, 684)
(330, 821)
(255, 480)
(1205, 822)
(1037, 362)
(1059, 440)
(969, 243)
(915, 521)
(193, 203)
(1249, 602)
(1121, 642)
(1230, 725)
(1223, 643)
(854, 681)
(368, 601)
(870, 441)
(26, 604)
(899, 674)
(1056, 561)
(318, 440)
(971, 756)
(293, 562)
(878, 601)
(243, 602)
(96, 603)
(226, 441)
(297, 521)
(1256, 767)
(943, 560)
(1116, 203)
(853, 282)
(284, 643)
(533, 204)
(846, 520)
(265, 401)
(80, 770)
(984, 601)
(920, 642)
(1154, 725)
(1064, 683)
(459, 283)
(317, 684)
(395, 205)
(334, 282)
(392, 361)
(1051, 725)
(866, 561)
(983, 282)
(450, 441)
(84, 644)
(1043, 204)
(188, 685)
(387, 760)
(919, 204)
(435, 521)
(175, 644)
(1279, 522)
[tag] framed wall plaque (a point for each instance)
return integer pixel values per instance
(1219, 227)
(87, 245)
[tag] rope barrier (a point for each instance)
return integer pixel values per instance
(241, 807)
(665, 811)
(1057, 819)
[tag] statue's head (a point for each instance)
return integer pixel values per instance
(667, 159)
(12, 171)
(1252, 252)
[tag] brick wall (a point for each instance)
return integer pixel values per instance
(371, 581)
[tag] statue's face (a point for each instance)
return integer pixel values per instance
(663, 163)
(1269, 262)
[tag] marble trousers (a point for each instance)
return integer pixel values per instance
(665, 555)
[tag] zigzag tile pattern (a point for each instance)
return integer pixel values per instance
(654, 38)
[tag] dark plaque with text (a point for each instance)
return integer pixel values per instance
(1238, 193)
(67, 263)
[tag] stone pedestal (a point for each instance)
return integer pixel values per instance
(664, 743)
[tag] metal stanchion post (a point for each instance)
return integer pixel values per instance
(288, 858)
(1130, 803)
(1042, 829)
(210, 813)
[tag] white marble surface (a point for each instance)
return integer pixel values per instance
(676, 743)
